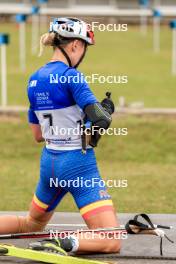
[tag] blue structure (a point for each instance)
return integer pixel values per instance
(42, 1)
(35, 10)
(143, 2)
(157, 13)
(20, 18)
(173, 24)
(4, 39)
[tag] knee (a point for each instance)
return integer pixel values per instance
(113, 246)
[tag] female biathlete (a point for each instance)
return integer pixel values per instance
(57, 101)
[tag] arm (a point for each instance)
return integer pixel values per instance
(100, 118)
(32, 116)
(35, 126)
(80, 91)
(37, 133)
(98, 114)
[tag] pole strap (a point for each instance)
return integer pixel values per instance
(144, 227)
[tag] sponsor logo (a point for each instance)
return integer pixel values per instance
(33, 83)
(104, 194)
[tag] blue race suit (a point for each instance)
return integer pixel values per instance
(58, 95)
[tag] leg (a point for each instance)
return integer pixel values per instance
(43, 204)
(96, 208)
(105, 245)
(35, 221)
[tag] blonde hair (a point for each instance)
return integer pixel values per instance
(53, 40)
(46, 39)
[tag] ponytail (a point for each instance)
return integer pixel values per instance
(47, 39)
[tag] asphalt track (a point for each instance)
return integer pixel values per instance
(140, 246)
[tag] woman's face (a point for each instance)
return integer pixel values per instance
(76, 51)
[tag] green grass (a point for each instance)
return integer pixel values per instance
(146, 157)
(115, 53)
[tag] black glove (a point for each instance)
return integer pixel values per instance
(108, 104)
